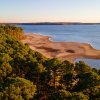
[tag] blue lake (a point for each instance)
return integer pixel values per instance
(70, 33)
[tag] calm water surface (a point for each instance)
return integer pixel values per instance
(70, 33)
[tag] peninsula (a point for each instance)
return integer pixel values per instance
(62, 50)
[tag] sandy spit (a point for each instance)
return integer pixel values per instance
(62, 50)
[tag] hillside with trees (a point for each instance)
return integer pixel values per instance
(28, 75)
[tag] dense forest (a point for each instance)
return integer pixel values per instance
(28, 75)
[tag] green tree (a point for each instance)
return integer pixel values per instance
(81, 67)
(18, 89)
(78, 96)
(67, 66)
(93, 92)
(60, 95)
(90, 79)
(69, 81)
(53, 65)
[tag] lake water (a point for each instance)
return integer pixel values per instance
(69, 33)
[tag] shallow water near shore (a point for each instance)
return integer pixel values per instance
(70, 33)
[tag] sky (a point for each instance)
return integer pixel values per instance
(49, 11)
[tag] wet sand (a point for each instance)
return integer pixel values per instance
(62, 50)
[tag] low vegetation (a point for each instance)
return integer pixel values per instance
(28, 75)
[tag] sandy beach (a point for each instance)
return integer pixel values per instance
(62, 50)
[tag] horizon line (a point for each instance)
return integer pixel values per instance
(44, 22)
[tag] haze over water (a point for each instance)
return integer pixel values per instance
(70, 33)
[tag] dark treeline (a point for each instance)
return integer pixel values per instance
(28, 75)
(52, 23)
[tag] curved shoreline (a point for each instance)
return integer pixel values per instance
(62, 50)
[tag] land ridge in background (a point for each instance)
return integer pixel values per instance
(53, 23)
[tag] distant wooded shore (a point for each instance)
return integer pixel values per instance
(52, 23)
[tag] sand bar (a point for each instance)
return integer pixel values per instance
(62, 50)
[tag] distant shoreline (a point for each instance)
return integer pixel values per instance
(61, 50)
(52, 23)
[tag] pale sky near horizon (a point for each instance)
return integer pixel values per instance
(49, 10)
